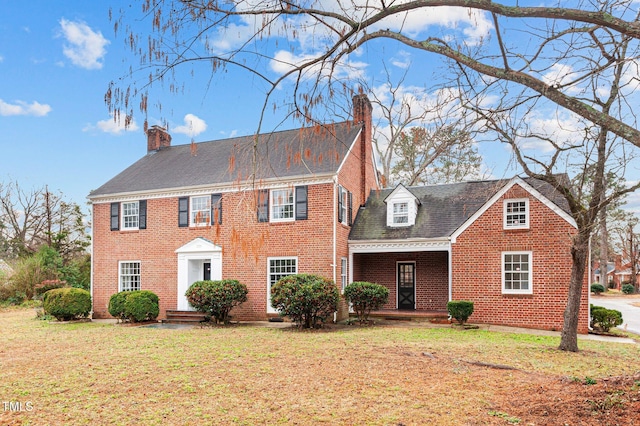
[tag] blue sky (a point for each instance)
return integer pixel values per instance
(58, 57)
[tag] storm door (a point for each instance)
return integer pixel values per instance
(406, 285)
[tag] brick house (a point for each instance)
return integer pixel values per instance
(252, 208)
(503, 244)
(307, 201)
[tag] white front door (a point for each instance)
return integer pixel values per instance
(197, 260)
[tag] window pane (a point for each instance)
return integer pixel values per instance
(130, 215)
(516, 272)
(400, 213)
(200, 210)
(282, 204)
(129, 276)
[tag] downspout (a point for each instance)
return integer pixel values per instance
(449, 264)
(606, 268)
(335, 235)
(92, 259)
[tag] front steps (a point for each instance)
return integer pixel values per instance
(183, 317)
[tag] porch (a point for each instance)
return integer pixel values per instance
(418, 280)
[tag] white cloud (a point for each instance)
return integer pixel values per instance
(84, 47)
(193, 126)
(284, 61)
(565, 129)
(23, 108)
(113, 126)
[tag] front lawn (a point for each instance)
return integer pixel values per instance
(89, 373)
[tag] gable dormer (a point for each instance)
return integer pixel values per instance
(402, 207)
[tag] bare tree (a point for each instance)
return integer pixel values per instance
(32, 218)
(581, 59)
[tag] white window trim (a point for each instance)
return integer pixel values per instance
(269, 259)
(526, 212)
(120, 263)
(530, 272)
(122, 216)
(191, 211)
(271, 200)
(344, 195)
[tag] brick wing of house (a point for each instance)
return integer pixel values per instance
(503, 244)
(253, 208)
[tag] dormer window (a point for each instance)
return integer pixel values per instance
(402, 207)
(516, 214)
(401, 213)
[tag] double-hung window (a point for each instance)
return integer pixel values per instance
(516, 214)
(130, 212)
(128, 215)
(200, 211)
(400, 213)
(282, 205)
(344, 206)
(516, 272)
(343, 273)
(129, 275)
(279, 267)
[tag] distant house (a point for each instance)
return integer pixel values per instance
(503, 244)
(258, 208)
(618, 272)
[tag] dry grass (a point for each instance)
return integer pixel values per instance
(104, 374)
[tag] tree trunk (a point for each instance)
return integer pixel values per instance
(604, 247)
(580, 256)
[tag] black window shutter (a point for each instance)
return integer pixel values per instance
(115, 216)
(216, 208)
(350, 206)
(263, 205)
(142, 214)
(301, 202)
(183, 212)
(340, 218)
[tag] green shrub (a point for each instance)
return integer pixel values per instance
(307, 299)
(66, 304)
(461, 310)
(116, 305)
(217, 298)
(604, 319)
(141, 305)
(628, 289)
(365, 297)
(597, 288)
(135, 306)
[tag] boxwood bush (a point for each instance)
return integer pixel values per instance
(461, 310)
(217, 298)
(604, 319)
(307, 299)
(67, 304)
(628, 289)
(141, 305)
(135, 306)
(597, 288)
(365, 297)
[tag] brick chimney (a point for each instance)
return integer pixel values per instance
(157, 138)
(362, 117)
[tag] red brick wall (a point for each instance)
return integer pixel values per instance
(431, 276)
(245, 243)
(477, 268)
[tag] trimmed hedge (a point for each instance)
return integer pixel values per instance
(597, 288)
(365, 297)
(67, 304)
(605, 319)
(307, 299)
(628, 289)
(135, 306)
(217, 298)
(461, 310)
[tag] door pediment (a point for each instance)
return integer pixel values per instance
(199, 245)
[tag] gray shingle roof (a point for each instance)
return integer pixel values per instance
(305, 151)
(443, 209)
